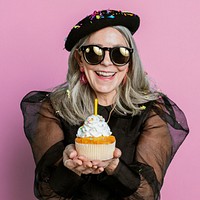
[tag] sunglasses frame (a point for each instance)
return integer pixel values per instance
(110, 49)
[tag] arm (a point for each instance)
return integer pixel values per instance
(143, 178)
(44, 132)
(154, 151)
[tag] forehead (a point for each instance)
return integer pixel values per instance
(107, 37)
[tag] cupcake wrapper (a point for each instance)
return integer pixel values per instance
(96, 151)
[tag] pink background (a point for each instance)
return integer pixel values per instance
(32, 58)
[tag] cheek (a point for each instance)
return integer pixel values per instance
(87, 69)
(123, 68)
(89, 72)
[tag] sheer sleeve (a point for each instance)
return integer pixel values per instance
(160, 135)
(154, 151)
(42, 127)
(44, 132)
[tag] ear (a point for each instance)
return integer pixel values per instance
(77, 56)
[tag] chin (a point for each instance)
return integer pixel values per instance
(105, 91)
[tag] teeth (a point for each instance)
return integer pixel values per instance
(106, 74)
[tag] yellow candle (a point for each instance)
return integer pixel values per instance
(95, 106)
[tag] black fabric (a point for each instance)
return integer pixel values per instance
(148, 143)
(99, 20)
(46, 165)
(121, 189)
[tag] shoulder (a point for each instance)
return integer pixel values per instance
(35, 96)
(171, 113)
(162, 104)
(35, 102)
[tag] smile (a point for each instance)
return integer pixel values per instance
(105, 74)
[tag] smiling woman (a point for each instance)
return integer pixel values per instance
(147, 126)
(104, 76)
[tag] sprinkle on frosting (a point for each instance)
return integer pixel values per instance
(94, 126)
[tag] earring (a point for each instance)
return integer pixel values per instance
(124, 79)
(83, 78)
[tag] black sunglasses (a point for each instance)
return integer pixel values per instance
(94, 54)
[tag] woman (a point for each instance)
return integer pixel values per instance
(148, 126)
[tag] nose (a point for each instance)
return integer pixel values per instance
(106, 61)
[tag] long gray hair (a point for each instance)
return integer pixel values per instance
(74, 101)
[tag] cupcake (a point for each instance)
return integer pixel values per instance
(94, 139)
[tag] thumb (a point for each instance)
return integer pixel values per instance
(117, 153)
(70, 151)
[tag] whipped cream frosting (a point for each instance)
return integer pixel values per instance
(94, 126)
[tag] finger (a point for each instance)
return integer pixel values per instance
(70, 151)
(86, 161)
(96, 162)
(87, 164)
(77, 162)
(94, 167)
(69, 164)
(83, 158)
(70, 147)
(98, 170)
(103, 163)
(83, 170)
(117, 153)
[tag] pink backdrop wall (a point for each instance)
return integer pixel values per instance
(32, 58)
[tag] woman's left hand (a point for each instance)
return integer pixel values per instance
(108, 165)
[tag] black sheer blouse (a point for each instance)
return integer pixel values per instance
(148, 143)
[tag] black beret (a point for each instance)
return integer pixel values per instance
(99, 20)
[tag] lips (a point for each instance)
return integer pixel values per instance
(105, 74)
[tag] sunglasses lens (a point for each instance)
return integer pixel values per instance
(120, 55)
(93, 54)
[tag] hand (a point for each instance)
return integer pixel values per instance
(109, 165)
(79, 164)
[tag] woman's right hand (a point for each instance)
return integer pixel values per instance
(79, 164)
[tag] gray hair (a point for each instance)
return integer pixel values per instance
(74, 101)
